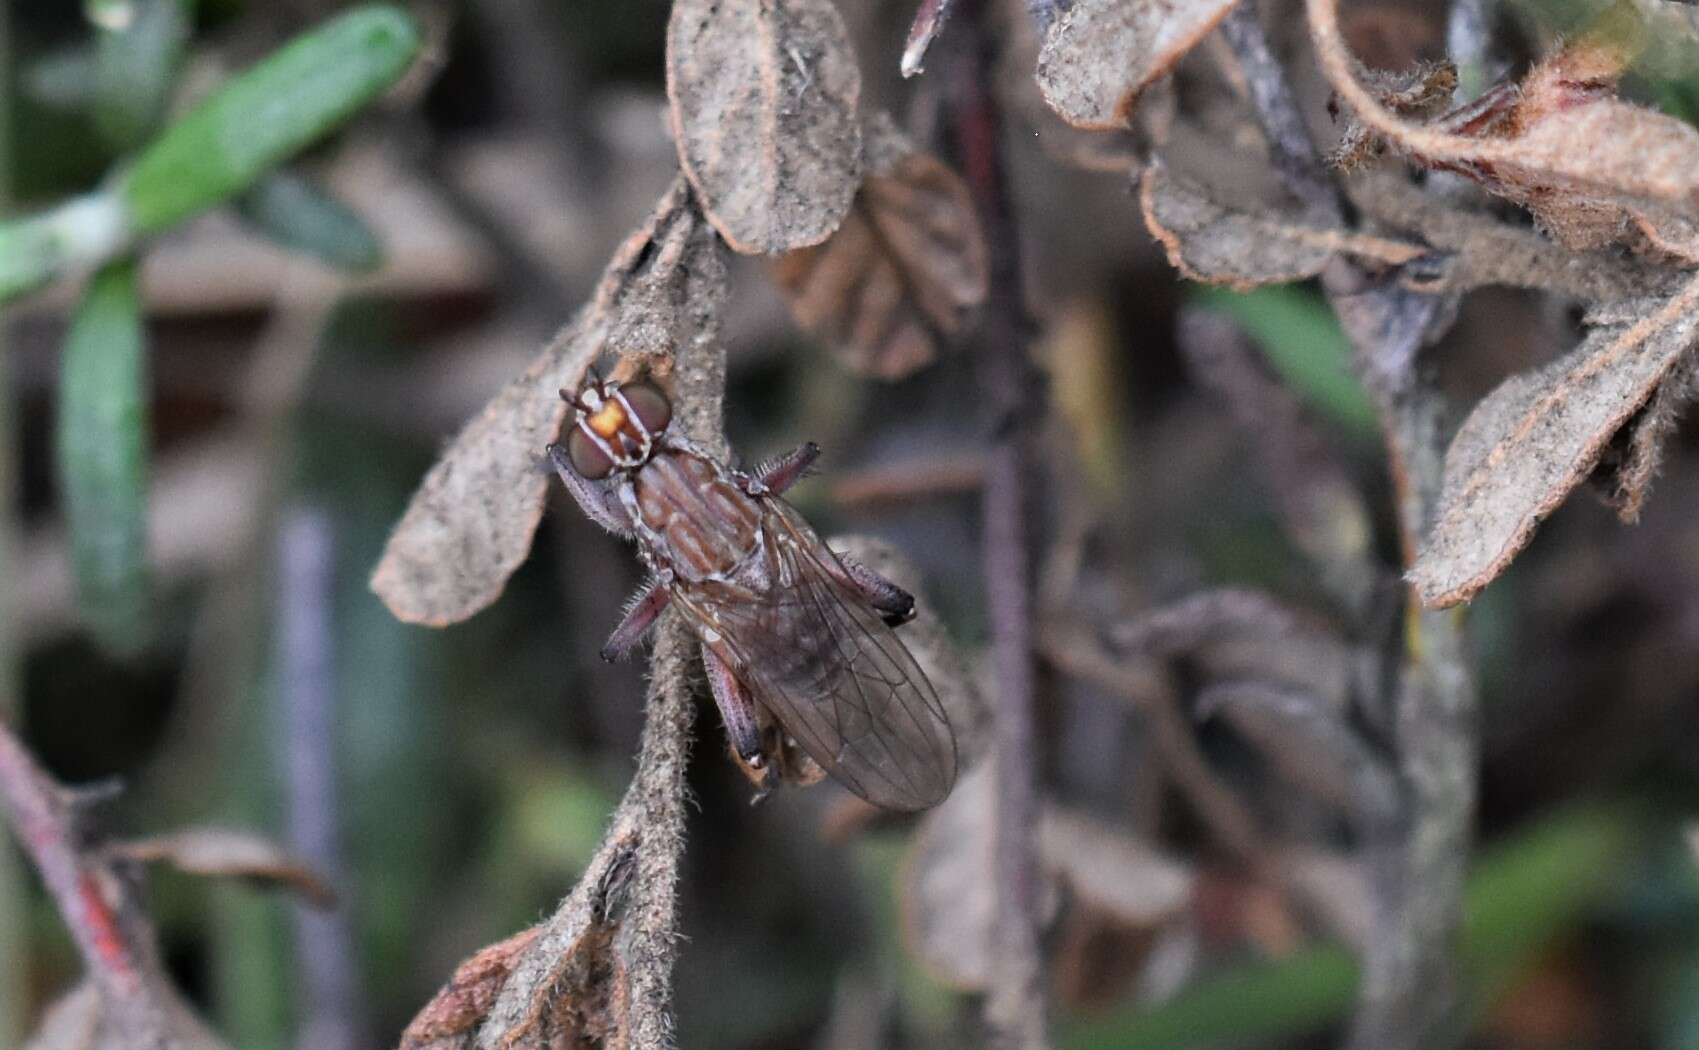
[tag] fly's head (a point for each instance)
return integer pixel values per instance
(615, 427)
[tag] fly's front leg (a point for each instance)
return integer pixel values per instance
(892, 603)
(640, 615)
(597, 501)
(743, 726)
(776, 475)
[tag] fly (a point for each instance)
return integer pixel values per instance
(798, 642)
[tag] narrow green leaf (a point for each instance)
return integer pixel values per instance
(103, 457)
(293, 211)
(1303, 343)
(136, 60)
(267, 114)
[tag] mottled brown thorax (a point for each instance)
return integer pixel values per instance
(705, 524)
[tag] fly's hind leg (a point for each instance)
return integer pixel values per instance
(892, 603)
(640, 614)
(743, 724)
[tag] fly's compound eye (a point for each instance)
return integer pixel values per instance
(650, 406)
(587, 457)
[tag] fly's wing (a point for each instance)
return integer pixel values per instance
(837, 678)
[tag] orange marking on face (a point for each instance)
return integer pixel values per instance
(608, 420)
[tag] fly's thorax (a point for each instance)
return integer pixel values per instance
(692, 515)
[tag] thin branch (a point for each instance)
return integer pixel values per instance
(1294, 154)
(1407, 998)
(1007, 383)
(331, 1003)
(112, 934)
(629, 883)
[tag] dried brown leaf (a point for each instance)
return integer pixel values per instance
(1312, 746)
(906, 265)
(229, 853)
(1113, 871)
(1101, 54)
(470, 523)
(1634, 457)
(73, 1022)
(81, 1020)
(450, 1020)
(1531, 441)
(1563, 146)
(1243, 635)
(946, 894)
(1473, 249)
(1209, 242)
(764, 96)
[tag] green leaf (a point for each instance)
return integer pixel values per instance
(103, 457)
(136, 60)
(268, 114)
(1303, 343)
(297, 214)
(1521, 897)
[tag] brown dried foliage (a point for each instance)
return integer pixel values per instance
(1102, 54)
(1531, 441)
(470, 523)
(764, 98)
(1215, 244)
(903, 269)
(1591, 167)
(230, 853)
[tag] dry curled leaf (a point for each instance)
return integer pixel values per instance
(1425, 90)
(1532, 440)
(470, 523)
(1309, 745)
(948, 897)
(1586, 163)
(763, 102)
(1209, 242)
(450, 1020)
(1240, 635)
(1113, 871)
(1634, 458)
(905, 266)
(1101, 54)
(81, 1020)
(1473, 249)
(230, 853)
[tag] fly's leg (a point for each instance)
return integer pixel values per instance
(640, 614)
(892, 603)
(597, 501)
(776, 475)
(743, 726)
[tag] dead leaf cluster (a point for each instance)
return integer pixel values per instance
(1613, 188)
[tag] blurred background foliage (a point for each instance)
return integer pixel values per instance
(384, 242)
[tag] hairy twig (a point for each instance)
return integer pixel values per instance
(324, 946)
(1007, 382)
(1407, 996)
(628, 885)
(604, 960)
